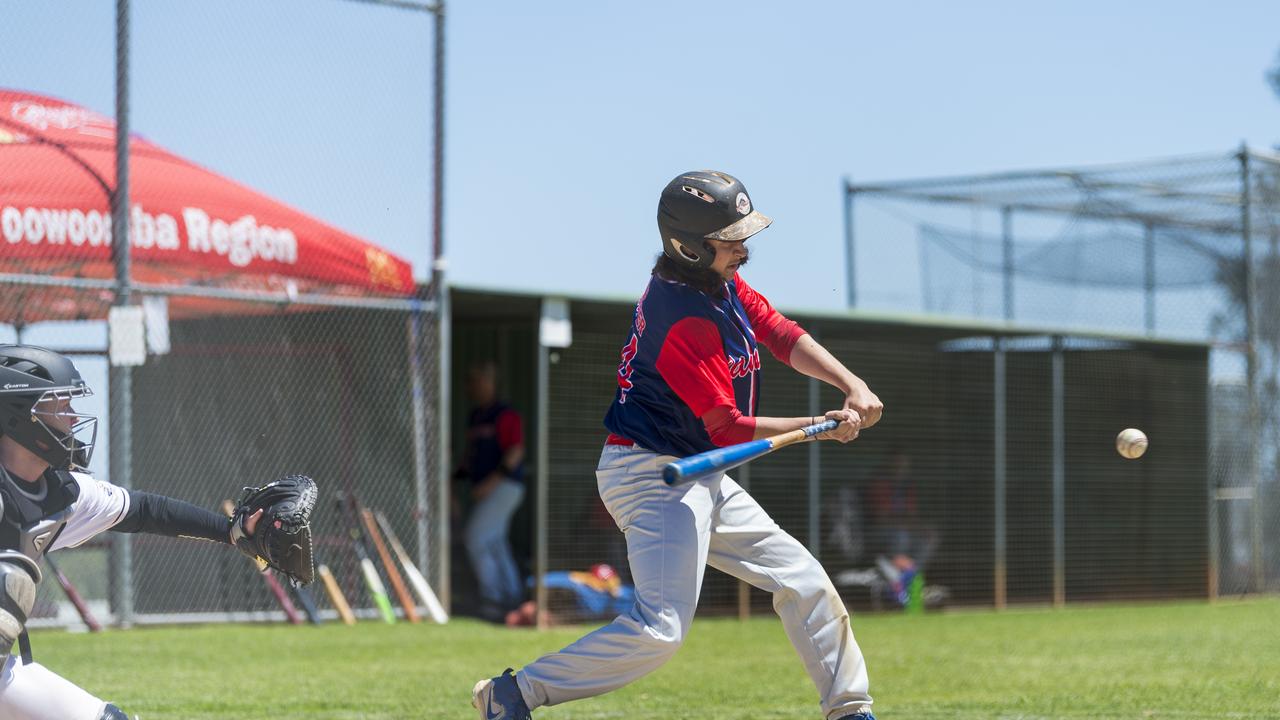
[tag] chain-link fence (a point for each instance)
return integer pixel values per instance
(1179, 248)
(994, 470)
(283, 170)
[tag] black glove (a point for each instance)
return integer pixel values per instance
(282, 538)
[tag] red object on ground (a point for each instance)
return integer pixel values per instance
(188, 225)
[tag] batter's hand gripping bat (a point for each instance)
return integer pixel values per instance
(714, 462)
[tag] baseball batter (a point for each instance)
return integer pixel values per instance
(689, 381)
(49, 502)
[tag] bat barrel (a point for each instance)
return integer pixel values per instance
(704, 465)
(713, 462)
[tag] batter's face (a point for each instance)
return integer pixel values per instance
(730, 255)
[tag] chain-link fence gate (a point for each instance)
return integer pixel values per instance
(274, 341)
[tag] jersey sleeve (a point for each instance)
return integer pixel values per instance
(98, 508)
(772, 328)
(510, 429)
(693, 364)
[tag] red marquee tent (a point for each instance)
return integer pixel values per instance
(188, 225)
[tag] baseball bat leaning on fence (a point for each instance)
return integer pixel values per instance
(74, 596)
(713, 462)
(334, 591)
(389, 564)
(377, 591)
(416, 578)
(273, 584)
(308, 603)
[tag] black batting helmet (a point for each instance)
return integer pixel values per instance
(34, 383)
(705, 205)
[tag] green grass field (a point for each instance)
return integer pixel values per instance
(1140, 662)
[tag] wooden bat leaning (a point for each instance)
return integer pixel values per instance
(416, 578)
(389, 564)
(74, 596)
(282, 598)
(334, 591)
(372, 581)
(713, 462)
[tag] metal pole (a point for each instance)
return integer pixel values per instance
(1149, 277)
(120, 379)
(850, 255)
(418, 405)
(999, 443)
(1006, 234)
(1059, 476)
(1251, 365)
(437, 141)
(542, 489)
(1211, 494)
(441, 292)
(444, 362)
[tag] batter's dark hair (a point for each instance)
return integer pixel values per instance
(704, 279)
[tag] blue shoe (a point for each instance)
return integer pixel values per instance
(500, 699)
(864, 714)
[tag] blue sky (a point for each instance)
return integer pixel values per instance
(565, 119)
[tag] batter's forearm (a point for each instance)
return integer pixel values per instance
(161, 515)
(770, 426)
(810, 358)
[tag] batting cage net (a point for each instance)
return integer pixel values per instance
(1183, 248)
(269, 318)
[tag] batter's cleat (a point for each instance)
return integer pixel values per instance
(863, 714)
(500, 699)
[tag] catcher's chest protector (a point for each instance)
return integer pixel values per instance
(33, 519)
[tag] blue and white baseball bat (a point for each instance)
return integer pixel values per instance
(714, 462)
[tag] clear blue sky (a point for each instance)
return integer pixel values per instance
(565, 119)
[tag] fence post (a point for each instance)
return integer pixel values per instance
(850, 260)
(120, 378)
(1251, 366)
(999, 442)
(1059, 475)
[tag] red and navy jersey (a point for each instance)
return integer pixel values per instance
(491, 431)
(689, 377)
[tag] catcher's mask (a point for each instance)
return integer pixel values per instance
(37, 386)
(705, 205)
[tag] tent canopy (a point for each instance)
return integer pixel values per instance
(187, 226)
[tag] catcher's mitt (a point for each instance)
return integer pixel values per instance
(282, 538)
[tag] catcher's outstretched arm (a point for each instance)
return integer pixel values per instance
(162, 515)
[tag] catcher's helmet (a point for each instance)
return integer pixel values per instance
(702, 205)
(36, 387)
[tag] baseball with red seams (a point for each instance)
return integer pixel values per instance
(1131, 443)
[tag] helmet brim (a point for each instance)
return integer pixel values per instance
(753, 223)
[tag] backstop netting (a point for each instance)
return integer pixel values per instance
(1182, 248)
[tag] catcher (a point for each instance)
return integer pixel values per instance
(49, 502)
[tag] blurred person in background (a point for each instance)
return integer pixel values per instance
(899, 531)
(578, 596)
(493, 468)
(50, 502)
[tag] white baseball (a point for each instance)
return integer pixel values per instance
(1131, 443)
